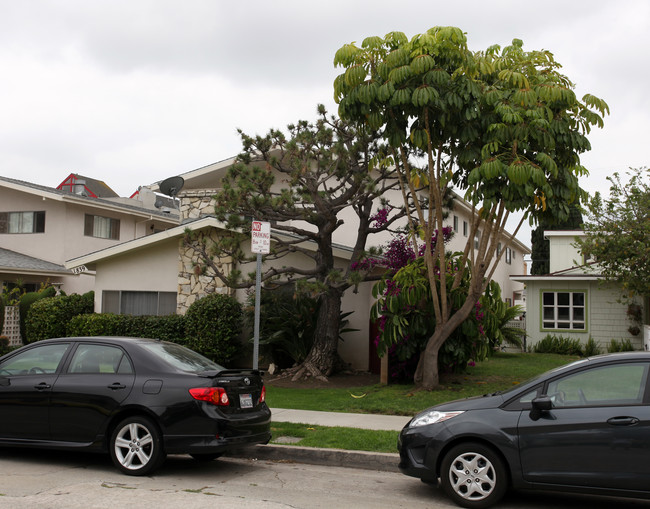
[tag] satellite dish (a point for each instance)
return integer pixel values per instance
(171, 186)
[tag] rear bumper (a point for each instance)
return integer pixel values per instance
(193, 444)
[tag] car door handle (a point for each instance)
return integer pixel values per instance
(42, 386)
(117, 386)
(623, 421)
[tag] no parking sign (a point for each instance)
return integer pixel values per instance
(261, 237)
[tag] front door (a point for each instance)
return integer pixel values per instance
(26, 381)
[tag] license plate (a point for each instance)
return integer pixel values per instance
(246, 400)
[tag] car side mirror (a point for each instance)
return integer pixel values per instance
(540, 404)
(5, 381)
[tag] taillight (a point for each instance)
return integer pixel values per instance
(262, 395)
(215, 395)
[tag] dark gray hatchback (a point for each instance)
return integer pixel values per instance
(581, 428)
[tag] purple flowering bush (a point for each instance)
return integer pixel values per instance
(405, 317)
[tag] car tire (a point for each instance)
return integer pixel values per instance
(473, 475)
(136, 446)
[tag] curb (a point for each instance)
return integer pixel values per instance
(385, 462)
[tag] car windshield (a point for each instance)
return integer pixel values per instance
(182, 358)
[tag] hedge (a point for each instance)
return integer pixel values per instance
(25, 304)
(167, 328)
(49, 318)
(211, 326)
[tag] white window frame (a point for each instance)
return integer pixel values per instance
(567, 312)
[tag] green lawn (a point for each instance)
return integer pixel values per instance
(500, 372)
(336, 437)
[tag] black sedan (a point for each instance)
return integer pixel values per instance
(582, 428)
(138, 399)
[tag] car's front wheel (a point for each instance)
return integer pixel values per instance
(136, 446)
(473, 475)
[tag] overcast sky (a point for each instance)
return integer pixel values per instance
(134, 91)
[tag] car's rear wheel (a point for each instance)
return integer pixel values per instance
(473, 475)
(136, 446)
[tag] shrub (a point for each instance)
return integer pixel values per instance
(559, 345)
(99, 324)
(4, 344)
(26, 302)
(287, 325)
(49, 318)
(213, 325)
(167, 328)
(591, 347)
(624, 345)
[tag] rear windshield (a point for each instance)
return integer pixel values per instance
(182, 358)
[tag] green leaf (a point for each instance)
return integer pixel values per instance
(355, 75)
(422, 64)
(400, 74)
(345, 55)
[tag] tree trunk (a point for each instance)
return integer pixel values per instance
(322, 358)
(427, 376)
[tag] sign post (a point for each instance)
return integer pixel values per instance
(260, 244)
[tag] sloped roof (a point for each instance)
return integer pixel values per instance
(131, 246)
(94, 188)
(579, 273)
(12, 261)
(103, 203)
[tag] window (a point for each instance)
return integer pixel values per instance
(138, 303)
(508, 255)
(477, 239)
(22, 222)
(456, 224)
(620, 384)
(100, 359)
(102, 227)
(465, 229)
(563, 310)
(35, 361)
(181, 358)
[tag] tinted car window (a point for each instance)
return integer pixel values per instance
(182, 358)
(40, 359)
(99, 359)
(621, 384)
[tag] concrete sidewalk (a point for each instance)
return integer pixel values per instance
(386, 462)
(363, 421)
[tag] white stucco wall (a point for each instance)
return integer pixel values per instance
(154, 268)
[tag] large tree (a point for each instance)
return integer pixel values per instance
(618, 233)
(302, 183)
(503, 126)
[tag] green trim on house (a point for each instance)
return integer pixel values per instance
(584, 291)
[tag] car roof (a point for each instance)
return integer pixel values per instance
(102, 339)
